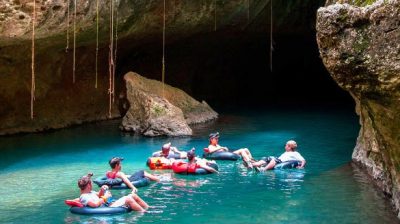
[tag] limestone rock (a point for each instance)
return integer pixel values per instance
(360, 46)
(152, 115)
(194, 111)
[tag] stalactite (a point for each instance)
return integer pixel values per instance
(66, 48)
(215, 15)
(33, 86)
(74, 53)
(111, 58)
(97, 39)
(115, 52)
(163, 56)
(271, 47)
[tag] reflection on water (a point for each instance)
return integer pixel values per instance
(39, 172)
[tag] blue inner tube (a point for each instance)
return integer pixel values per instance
(201, 171)
(119, 184)
(171, 156)
(288, 164)
(221, 156)
(100, 210)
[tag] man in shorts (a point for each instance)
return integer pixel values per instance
(95, 199)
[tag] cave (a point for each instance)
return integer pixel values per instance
(333, 57)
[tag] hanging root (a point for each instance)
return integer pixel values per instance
(33, 87)
(74, 54)
(215, 15)
(271, 47)
(115, 52)
(66, 48)
(97, 39)
(248, 11)
(163, 57)
(111, 59)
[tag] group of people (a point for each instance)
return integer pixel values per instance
(103, 197)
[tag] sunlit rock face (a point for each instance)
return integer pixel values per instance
(154, 109)
(360, 46)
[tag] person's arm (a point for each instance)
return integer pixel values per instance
(212, 148)
(93, 204)
(303, 163)
(208, 168)
(174, 149)
(301, 158)
(127, 182)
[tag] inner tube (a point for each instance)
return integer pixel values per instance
(158, 163)
(119, 184)
(221, 156)
(100, 210)
(181, 167)
(170, 156)
(288, 164)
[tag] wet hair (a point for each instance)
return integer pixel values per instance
(292, 144)
(84, 181)
(115, 161)
(191, 154)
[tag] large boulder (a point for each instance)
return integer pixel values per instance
(156, 110)
(359, 45)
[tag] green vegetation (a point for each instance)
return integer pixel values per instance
(158, 111)
(363, 2)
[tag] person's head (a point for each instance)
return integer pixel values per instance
(290, 146)
(165, 149)
(214, 137)
(115, 162)
(191, 154)
(85, 182)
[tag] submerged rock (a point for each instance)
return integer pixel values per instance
(151, 114)
(360, 46)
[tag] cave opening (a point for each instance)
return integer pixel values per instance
(230, 67)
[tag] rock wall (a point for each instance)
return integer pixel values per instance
(360, 46)
(59, 102)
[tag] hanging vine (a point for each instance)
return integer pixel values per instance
(271, 47)
(97, 39)
(33, 87)
(74, 53)
(215, 15)
(115, 52)
(66, 48)
(163, 55)
(248, 11)
(111, 58)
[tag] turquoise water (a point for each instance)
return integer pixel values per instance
(40, 171)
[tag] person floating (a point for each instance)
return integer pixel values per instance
(116, 166)
(95, 199)
(170, 152)
(195, 162)
(290, 154)
(243, 152)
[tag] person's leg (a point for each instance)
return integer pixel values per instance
(140, 201)
(127, 201)
(258, 163)
(270, 165)
(151, 176)
(244, 153)
(134, 205)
